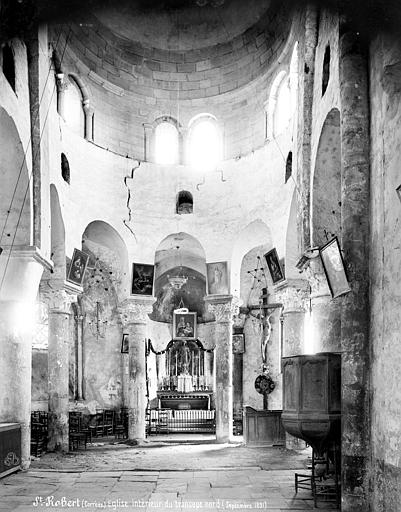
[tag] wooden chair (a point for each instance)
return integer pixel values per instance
(108, 422)
(77, 436)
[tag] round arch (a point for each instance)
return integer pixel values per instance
(326, 182)
(255, 234)
(179, 255)
(16, 215)
(57, 235)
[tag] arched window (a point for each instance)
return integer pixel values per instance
(166, 143)
(73, 107)
(185, 202)
(204, 142)
(326, 69)
(283, 111)
(65, 168)
(288, 167)
(8, 65)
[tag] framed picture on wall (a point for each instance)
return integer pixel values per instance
(273, 264)
(238, 343)
(77, 267)
(217, 278)
(142, 279)
(184, 326)
(125, 344)
(334, 268)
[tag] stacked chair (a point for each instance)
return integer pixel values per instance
(39, 431)
(121, 424)
(79, 432)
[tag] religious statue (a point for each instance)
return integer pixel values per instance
(267, 329)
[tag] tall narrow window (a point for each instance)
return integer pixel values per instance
(73, 110)
(326, 69)
(9, 65)
(65, 168)
(166, 144)
(205, 143)
(288, 167)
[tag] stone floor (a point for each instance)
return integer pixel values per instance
(161, 475)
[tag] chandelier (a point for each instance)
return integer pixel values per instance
(177, 282)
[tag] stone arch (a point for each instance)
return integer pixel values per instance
(292, 243)
(57, 235)
(16, 215)
(179, 254)
(106, 245)
(326, 182)
(86, 121)
(255, 234)
(106, 285)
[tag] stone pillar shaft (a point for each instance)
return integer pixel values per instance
(355, 216)
(60, 312)
(134, 314)
(20, 271)
(223, 310)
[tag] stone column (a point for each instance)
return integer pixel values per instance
(20, 273)
(293, 295)
(134, 316)
(148, 135)
(355, 215)
(223, 308)
(88, 112)
(59, 299)
(60, 85)
(325, 311)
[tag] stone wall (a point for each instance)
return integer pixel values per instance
(385, 271)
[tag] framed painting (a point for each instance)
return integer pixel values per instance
(142, 279)
(217, 278)
(184, 326)
(238, 344)
(334, 268)
(273, 264)
(77, 267)
(125, 344)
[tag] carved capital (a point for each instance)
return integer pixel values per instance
(136, 311)
(59, 295)
(294, 295)
(223, 307)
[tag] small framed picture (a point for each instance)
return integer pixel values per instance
(125, 344)
(238, 344)
(142, 279)
(334, 268)
(77, 268)
(275, 269)
(184, 326)
(217, 278)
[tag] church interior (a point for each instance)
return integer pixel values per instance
(199, 208)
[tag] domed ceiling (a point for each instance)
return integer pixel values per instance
(181, 25)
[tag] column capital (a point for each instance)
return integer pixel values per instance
(59, 294)
(136, 310)
(293, 294)
(222, 307)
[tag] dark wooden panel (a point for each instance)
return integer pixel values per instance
(263, 427)
(10, 448)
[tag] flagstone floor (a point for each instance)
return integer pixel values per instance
(162, 475)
